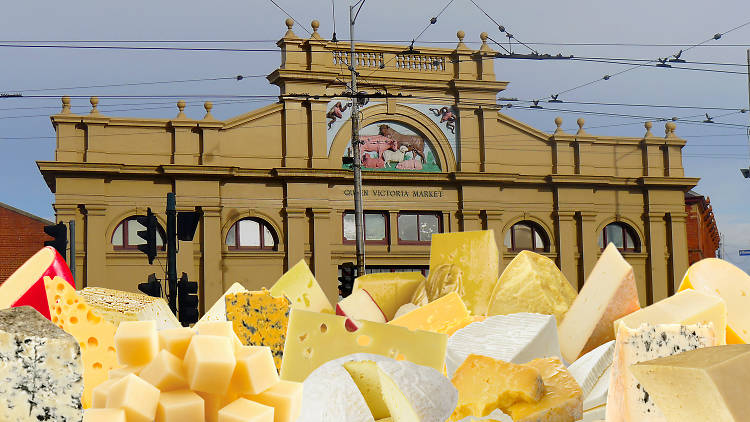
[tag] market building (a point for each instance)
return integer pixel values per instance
(439, 155)
(703, 235)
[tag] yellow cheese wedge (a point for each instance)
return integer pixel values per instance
(475, 253)
(485, 384)
(365, 375)
(303, 291)
(390, 290)
(440, 316)
(532, 283)
(719, 277)
(443, 279)
(562, 399)
(95, 335)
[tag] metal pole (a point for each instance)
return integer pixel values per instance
(72, 253)
(357, 166)
(172, 251)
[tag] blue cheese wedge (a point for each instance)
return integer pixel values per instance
(41, 375)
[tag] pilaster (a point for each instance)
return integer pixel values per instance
(679, 252)
(213, 285)
(495, 223)
(64, 213)
(566, 250)
(588, 237)
(295, 134)
(321, 257)
(657, 249)
(471, 220)
(96, 226)
(296, 224)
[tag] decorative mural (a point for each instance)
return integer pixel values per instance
(393, 146)
(447, 116)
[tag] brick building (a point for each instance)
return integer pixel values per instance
(702, 233)
(21, 235)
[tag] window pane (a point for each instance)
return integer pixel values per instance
(614, 234)
(249, 233)
(159, 239)
(428, 224)
(507, 242)
(374, 227)
(268, 238)
(231, 239)
(407, 227)
(350, 232)
(539, 244)
(601, 239)
(629, 240)
(117, 236)
(523, 237)
(133, 228)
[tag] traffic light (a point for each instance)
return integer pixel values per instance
(149, 235)
(187, 301)
(187, 222)
(152, 287)
(346, 281)
(60, 234)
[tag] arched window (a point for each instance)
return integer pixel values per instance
(252, 233)
(527, 235)
(126, 236)
(622, 235)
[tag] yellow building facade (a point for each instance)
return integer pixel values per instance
(439, 156)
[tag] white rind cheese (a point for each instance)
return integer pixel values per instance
(516, 338)
(598, 394)
(218, 312)
(428, 394)
(589, 368)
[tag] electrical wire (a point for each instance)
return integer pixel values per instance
(290, 16)
(502, 29)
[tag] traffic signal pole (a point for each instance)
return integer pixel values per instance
(172, 251)
(357, 165)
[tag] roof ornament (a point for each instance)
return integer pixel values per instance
(181, 107)
(65, 105)
(648, 126)
(208, 105)
(94, 105)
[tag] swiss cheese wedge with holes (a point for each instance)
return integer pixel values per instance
(95, 335)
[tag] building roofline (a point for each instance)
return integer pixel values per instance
(26, 214)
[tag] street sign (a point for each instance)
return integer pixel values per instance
(744, 252)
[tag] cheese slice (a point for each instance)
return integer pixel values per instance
(598, 395)
(532, 283)
(708, 384)
(718, 277)
(440, 316)
(116, 306)
(94, 334)
(475, 253)
(609, 293)
(562, 399)
(313, 339)
(627, 400)
(303, 291)
(218, 311)
(589, 368)
(390, 290)
(686, 307)
(516, 338)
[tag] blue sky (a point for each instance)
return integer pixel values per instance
(714, 152)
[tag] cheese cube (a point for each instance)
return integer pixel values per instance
(165, 372)
(441, 316)
(562, 399)
(135, 396)
(104, 415)
(303, 291)
(285, 397)
(125, 370)
(390, 290)
(532, 283)
(176, 340)
(485, 384)
(255, 370)
(244, 410)
(179, 406)
(708, 384)
(212, 403)
(209, 362)
(609, 293)
(219, 328)
(475, 253)
(137, 342)
(100, 392)
(218, 311)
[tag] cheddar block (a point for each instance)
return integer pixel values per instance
(440, 316)
(179, 406)
(244, 410)
(116, 306)
(165, 372)
(485, 384)
(260, 319)
(562, 399)
(218, 311)
(443, 279)
(718, 277)
(627, 399)
(137, 342)
(209, 363)
(390, 290)
(104, 415)
(95, 335)
(686, 307)
(255, 371)
(314, 338)
(136, 397)
(285, 397)
(532, 283)
(303, 291)
(176, 340)
(609, 293)
(708, 384)
(476, 255)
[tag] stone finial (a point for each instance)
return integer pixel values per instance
(208, 105)
(461, 35)
(315, 24)
(483, 36)
(181, 107)
(289, 23)
(558, 123)
(669, 129)
(65, 105)
(580, 123)
(94, 105)
(648, 126)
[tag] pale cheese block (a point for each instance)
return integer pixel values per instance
(589, 368)
(708, 384)
(116, 306)
(440, 316)
(218, 311)
(303, 291)
(390, 290)
(415, 393)
(562, 400)
(685, 307)
(627, 400)
(609, 293)
(516, 338)
(532, 283)
(719, 277)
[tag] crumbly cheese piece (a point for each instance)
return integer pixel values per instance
(390, 290)
(589, 368)
(627, 400)
(475, 253)
(440, 316)
(485, 384)
(609, 293)
(94, 334)
(303, 291)
(516, 338)
(532, 283)
(562, 400)
(40, 369)
(218, 311)
(260, 319)
(116, 306)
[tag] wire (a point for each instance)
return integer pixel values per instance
(639, 105)
(502, 29)
(432, 21)
(290, 16)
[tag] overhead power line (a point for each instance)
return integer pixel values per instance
(290, 16)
